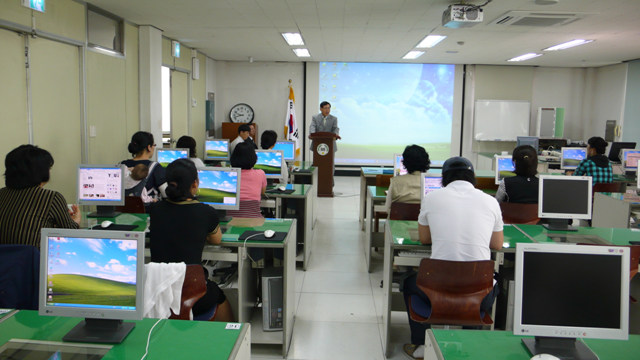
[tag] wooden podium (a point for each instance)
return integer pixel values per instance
(323, 146)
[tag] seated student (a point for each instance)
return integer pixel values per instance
(253, 182)
(596, 164)
(25, 206)
(522, 188)
(187, 142)
(407, 188)
(267, 142)
(243, 134)
(462, 224)
(147, 178)
(180, 226)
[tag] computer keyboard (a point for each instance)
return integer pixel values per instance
(411, 258)
(415, 253)
(548, 158)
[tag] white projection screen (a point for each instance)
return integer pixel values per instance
(383, 107)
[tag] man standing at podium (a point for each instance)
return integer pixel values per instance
(324, 122)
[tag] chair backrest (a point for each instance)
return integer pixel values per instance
(456, 290)
(383, 180)
(132, 205)
(193, 288)
(614, 187)
(404, 211)
(486, 183)
(19, 277)
(513, 213)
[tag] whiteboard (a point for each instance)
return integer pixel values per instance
(501, 120)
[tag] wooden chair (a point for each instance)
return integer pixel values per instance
(404, 211)
(513, 213)
(614, 187)
(456, 290)
(382, 181)
(132, 205)
(193, 288)
(486, 183)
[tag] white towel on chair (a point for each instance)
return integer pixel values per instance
(163, 289)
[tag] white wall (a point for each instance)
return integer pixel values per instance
(606, 102)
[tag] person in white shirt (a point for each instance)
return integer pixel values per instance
(462, 224)
(243, 134)
(187, 142)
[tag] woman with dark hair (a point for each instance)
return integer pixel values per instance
(187, 142)
(25, 206)
(147, 179)
(522, 188)
(407, 188)
(180, 226)
(253, 184)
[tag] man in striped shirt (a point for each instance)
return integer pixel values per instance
(596, 164)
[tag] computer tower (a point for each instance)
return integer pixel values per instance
(272, 299)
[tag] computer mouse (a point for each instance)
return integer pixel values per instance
(544, 357)
(269, 234)
(282, 188)
(105, 224)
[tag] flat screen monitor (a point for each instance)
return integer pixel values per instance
(430, 182)
(504, 167)
(398, 166)
(564, 197)
(551, 144)
(102, 186)
(614, 151)
(167, 156)
(629, 159)
(288, 149)
(566, 291)
(528, 140)
(271, 162)
(220, 187)
(216, 149)
(97, 275)
(571, 157)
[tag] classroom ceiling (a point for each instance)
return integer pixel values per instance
(385, 30)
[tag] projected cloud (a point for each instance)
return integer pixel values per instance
(218, 180)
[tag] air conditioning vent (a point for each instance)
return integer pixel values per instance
(537, 18)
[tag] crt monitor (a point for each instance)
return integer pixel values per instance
(571, 157)
(102, 186)
(562, 198)
(565, 291)
(97, 275)
(614, 151)
(288, 149)
(629, 159)
(504, 167)
(167, 156)
(430, 182)
(528, 140)
(398, 166)
(219, 187)
(271, 162)
(216, 149)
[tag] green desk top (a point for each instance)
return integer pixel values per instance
(378, 192)
(231, 234)
(299, 190)
(171, 339)
(123, 219)
(370, 171)
(616, 236)
(496, 345)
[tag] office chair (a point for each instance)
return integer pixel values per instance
(404, 211)
(19, 277)
(486, 183)
(513, 213)
(614, 187)
(132, 205)
(455, 289)
(380, 212)
(193, 288)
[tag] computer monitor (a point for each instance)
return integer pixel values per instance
(167, 156)
(528, 140)
(629, 159)
(566, 291)
(504, 167)
(93, 274)
(398, 166)
(288, 149)
(614, 151)
(216, 149)
(564, 197)
(571, 157)
(551, 144)
(430, 182)
(102, 186)
(271, 162)
(219, 187)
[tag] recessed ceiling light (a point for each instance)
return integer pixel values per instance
(525, 57)
(430, 41)
(302, 52)
(414, 54)
(568, 44)
(293, 39)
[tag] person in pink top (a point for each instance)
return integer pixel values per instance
(253, 182)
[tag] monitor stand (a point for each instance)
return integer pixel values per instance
(563, 348)
(104, 212)
(105, 331)
(559, 225)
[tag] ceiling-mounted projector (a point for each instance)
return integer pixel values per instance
(461, 15)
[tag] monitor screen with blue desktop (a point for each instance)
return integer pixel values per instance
(504, 167)
(430, 182)
(564, 197)
(571, 157)
(167, 156)
(102, 186)
(565, 292)
(219, 187)
(398, 166)
(528, 140)
(629, 159)
(216, 149)
(288, 149)
(271, 162)
(93, 274)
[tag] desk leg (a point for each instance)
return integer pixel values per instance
(308, 233)
(431, 348)
(363, 195)
(387, 278)
(246, 286)
(368, 231)
(289, 289)
(496, 267)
